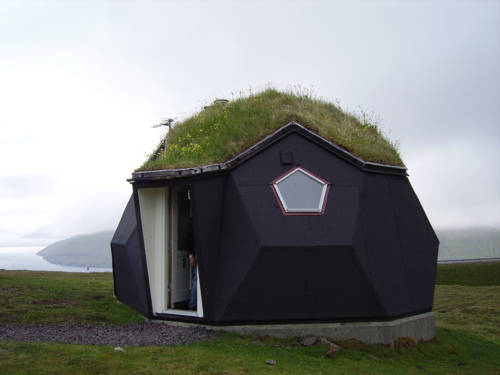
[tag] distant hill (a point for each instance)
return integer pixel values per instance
(93, 250)
(85, 250)
(469, 243)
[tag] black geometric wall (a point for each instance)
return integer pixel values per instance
(371, 255)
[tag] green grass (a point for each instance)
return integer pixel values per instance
(221, 131)
(472, 274)
(450, 353)
(467, 318)
(471, 310)
(56, 297)
(467, 299)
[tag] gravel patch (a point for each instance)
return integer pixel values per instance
(140, 334)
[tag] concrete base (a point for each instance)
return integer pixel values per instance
(417, 327)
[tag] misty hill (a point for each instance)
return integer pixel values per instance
(469, 243)
(85, 250)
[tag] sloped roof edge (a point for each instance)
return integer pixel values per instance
(289, 128)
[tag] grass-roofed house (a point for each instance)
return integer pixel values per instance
(296, 211)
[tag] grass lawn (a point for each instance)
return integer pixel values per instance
(467, 313)
(57, 297)
(469, 274)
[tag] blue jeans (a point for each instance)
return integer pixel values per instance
(194, 290)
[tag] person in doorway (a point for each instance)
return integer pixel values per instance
(193, 299)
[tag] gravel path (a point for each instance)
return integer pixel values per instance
(140, 334)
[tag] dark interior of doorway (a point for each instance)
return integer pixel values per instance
(184, 236)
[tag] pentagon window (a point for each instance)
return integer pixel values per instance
(300, 192)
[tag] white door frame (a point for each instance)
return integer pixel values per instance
(170, 251)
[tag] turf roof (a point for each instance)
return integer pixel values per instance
(221, 131)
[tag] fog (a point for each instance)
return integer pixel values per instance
(83, 82)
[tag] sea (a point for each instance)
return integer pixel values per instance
(25, 258)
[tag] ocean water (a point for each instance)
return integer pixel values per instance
(25, 258)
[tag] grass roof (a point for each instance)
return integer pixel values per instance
(221, 131)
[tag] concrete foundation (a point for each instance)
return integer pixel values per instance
(417, 327)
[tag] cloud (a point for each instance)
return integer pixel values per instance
(457, 182)
(81, 86)
(24, 186)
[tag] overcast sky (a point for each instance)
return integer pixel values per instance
(81, 84)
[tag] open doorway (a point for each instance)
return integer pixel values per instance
(166, 215)
(184, 292)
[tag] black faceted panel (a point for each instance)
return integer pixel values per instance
(302, 284)
(418, 242)
(127, 224)
(129, 271)
(383, 246)
(238, 249)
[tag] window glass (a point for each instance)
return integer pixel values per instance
(300, 192)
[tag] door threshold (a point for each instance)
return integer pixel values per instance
(181, 312)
